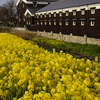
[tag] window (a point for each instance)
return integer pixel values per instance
(45, 23)
(60, 23)
(35, 4)
(92, 10)
(92, 22)
(54, 22)
(41, 23)
(45, 15)
(74, 12)
(82, 22)
(54, 14)
(82, 11)
(66, 22)
(41, 15)
(23, 5)
(49, 14)
(60, 14)
(67, 13)
(37, 23)
(74, 22)
(49, 22)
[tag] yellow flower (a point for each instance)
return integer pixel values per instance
(44, 87)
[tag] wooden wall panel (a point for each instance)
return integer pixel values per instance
(78, 29)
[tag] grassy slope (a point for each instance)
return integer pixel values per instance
(86, 49)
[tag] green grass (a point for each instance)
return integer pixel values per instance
(86, 49)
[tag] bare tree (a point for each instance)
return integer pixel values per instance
(8, 11)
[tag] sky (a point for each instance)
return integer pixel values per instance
(3, 1)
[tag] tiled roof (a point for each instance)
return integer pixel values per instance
(43, 0)
(67, 4)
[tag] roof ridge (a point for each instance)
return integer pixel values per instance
(58, 1)
(61, 4)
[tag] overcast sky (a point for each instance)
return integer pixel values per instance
(3, 1)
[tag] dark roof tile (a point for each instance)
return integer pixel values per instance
(43, 0)
(67, 4)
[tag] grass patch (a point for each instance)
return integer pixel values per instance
(5, 29)
(86, 49)
(27, 35)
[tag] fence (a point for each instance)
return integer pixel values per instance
(71, 38)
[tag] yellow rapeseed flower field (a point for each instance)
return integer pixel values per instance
(28, 72)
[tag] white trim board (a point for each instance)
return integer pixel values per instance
(86, 7)
(27, 11)
(27, 2)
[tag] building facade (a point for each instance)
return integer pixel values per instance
(21, 8)
(79, 18)
(26, 12)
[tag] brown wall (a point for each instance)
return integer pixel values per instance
(77, 30)
(20, 11)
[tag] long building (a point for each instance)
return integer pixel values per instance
(26, 11)
(76, 17)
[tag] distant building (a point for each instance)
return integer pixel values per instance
(26, 11)
(75, 17)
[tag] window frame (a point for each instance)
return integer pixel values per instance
(93, 10)
(82, 22)
(54, 22)
(66, 22)
(49, 14)
(82, 10)
(60, 22)
(41, 23)
(45, 15)
(41, 15)
(37, 22)
(45, 22)
(54, 14)
(23, 5)
(49, 22)
(29, 23)
(60, 14)
(74, 12)
(74, 22)
(67, 13)
(92, 21)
